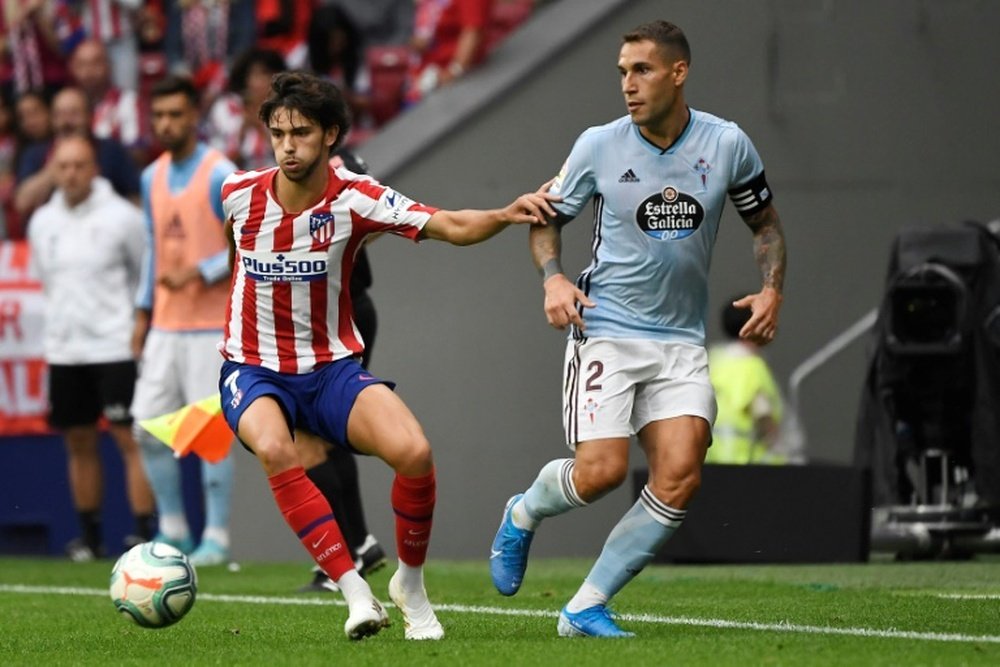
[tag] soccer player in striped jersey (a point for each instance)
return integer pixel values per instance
(635, 360)
(292, 347)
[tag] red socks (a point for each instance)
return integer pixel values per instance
(309, 515)
(413, 502)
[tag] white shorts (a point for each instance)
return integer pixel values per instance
(612, 387)
(177, 368)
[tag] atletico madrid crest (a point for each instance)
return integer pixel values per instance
(321, 226)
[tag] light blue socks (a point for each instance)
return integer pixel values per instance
(551, 494)
(633, 543)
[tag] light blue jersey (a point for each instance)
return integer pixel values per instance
(656, 216)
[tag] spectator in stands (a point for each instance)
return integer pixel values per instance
(87, 245)
(116, 112)
(71, 115)
(336, 53)
(379, 22)
(8, 155)
(181, 309)
(448, 38)
(113, 25)
(34, 119)
(33, 36)
(201, 38)
(283, 26)
(233, 126)
(33, 125)
(230, 26)
(747, 425)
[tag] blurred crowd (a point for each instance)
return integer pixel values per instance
(71, 66)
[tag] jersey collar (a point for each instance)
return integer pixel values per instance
(672, 148)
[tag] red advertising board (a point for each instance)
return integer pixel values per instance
(23, 375)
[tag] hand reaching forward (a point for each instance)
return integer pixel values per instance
(561, 297)
(763, 322)
(533, 208)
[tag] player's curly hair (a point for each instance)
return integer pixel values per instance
(664, 33)
(317, 99)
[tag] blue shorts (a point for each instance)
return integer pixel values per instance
(319, 402)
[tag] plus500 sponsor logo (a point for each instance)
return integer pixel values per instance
(285, 269)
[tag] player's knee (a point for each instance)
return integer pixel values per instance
(677, 490)
(592, 482)
(414, 455)
(275, 454)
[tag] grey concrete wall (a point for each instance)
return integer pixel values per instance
(869, 116)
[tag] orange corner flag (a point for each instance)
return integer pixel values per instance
(197, 427)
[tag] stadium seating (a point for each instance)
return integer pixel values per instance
(506, 16)
(387, 66)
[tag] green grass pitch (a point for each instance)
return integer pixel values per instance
(54, 612)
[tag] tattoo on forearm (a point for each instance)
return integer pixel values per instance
(546, 247)
(769, 247)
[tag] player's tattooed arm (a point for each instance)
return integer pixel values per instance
(546, 249)
(561, 295)
(768, 246)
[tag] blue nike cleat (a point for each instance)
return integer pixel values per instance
(208, 553)
(509, 553)
(593, 621)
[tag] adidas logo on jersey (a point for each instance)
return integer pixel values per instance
(629, 177)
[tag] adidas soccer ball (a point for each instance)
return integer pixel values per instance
(153, 584)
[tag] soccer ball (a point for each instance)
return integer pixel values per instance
(153, 584)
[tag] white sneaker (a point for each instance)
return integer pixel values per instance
(366, 618)
(418, 616)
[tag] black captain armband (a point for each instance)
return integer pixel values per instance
(751, 197)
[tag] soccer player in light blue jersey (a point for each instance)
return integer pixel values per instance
(636, 360)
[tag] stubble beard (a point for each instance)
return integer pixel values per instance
(304, 174)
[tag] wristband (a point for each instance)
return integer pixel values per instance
(551, 268)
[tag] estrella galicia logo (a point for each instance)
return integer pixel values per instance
(321, 226)
(669, 215)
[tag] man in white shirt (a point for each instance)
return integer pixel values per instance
(87, 244)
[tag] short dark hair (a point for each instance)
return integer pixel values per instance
(173, 85)
(317, 99)
(270, 60)
(664, 33)
(734, 318)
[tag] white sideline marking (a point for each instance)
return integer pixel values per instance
(969, 596)
(503, 611)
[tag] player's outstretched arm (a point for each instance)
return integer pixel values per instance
(561, 295)
(469, 226)
(769, 250)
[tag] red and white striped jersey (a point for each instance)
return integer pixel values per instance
(108, 19)
(118, 116)
(290, 304)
